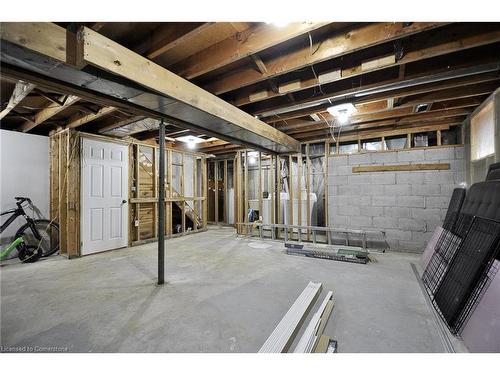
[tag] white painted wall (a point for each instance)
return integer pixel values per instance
(24, 171)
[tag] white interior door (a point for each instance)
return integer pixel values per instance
(104, 207)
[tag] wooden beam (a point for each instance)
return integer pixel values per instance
(49, 111)
(21, 90)
(402, 167)
(335, 46)
(43, 37)
(80, 120)
(240, 45)
(112, 57)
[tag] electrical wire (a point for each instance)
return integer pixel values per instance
(312, 65)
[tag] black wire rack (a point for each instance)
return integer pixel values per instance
(477, 294)
(444, 251)
(462, 268)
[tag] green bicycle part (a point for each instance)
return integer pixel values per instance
(5, 253)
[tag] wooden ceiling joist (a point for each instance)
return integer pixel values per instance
(438, 46)
(327, 49)
(21, 90)
(170, 36)
(79, 120)
(376, 119)
(293, 111)
(51, 110)
(220, 149)
(241, 45)
(118, 123)
(363, 111)
(376, 127)
(388, 131)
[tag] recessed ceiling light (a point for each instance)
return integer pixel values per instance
(252, 157)
(278, 23)
(342, 112)
(191, 140)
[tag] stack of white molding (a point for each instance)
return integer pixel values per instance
(282, 337)
(315, 328)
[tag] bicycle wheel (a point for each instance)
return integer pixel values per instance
(49, 232)
(29, 254)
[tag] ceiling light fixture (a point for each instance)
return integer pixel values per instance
(191, 144)
(342, 112)
(278, 23)
(252, 157)
(190, 140)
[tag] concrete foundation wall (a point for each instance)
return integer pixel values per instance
(407, 205)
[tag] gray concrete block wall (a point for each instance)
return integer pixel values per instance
(406, 205)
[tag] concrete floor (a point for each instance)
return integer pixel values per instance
(224, 294)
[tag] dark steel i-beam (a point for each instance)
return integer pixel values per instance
(161, 207)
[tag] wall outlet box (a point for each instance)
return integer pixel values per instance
(136, 223)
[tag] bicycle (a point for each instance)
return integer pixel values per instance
(38, 233)
(27, 254)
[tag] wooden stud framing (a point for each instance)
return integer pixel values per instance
(226, 216)
(325, 177)
(290, 193)
(279, 219)
(216, 191)
(155, 192)
(204, 184)
(273, 190)
(65, 201)
(261, 213)
(183, 194)
(308, 189)
(246, 191)
(65, 172)
(299, 194)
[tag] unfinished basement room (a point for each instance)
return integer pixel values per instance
(250, 187)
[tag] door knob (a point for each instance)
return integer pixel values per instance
(124, 201)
